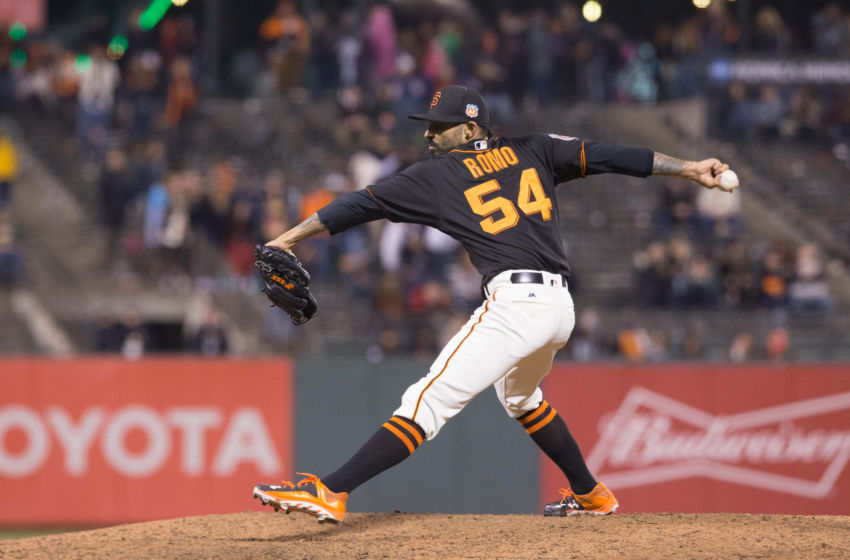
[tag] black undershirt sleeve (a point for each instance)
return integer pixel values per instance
(573, 158)
(349, 210)
(614, 158)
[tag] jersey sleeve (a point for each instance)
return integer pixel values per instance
(408, 196)
(350, 210)
(573, 157)
(403, 197)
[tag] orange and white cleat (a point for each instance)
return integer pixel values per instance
(310, 495)
(599, 501)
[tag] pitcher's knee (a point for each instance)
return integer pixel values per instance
(517, 405)
(430, 407)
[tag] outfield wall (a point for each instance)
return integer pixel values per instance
(94, 441)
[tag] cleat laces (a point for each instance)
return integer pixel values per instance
(568, 499)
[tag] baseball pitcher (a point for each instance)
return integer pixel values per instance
(496, 196)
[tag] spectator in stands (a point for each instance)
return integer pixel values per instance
(719, 32)
(117, 189)
(349, 48)
(8, 166)
(180, 102)
(99, 80)
(675, 208)
(565, 35)
(636, 344)
(381, 43)
(737, 277)
(210, 213)
(287, 38)
(321, 64)
(11, 261)
(156, 208)
(586, 341)
(638, 79)
(771, 36)
(434, 64)
(777, 342)
(839, 122)
(465, 283)
(741, 349)
(805, 115)
(686, 79)
(830, 31)
(243, 234)
(698, 286)
(738, 116)
(809, 289)
(7, 85)
(654, 274)
(35, 83)
(693, 345)
(491, 76)
(174, 237)
(541, 56)
(137, 339)
(774, 277)
(768, 112)
(210, 340)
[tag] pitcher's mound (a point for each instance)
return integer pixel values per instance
(380, 535)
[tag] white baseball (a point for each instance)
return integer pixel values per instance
(728, 180)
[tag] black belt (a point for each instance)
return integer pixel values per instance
(531, 278)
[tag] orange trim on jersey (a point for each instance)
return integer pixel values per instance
(469, 151)
(413, 431)
(534, 414)
(422, 394)
(542, 423)
(583, 162)
(400, 435)
(381, 206)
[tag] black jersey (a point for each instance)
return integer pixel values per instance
(495, 196)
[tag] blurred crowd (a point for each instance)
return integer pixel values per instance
(133, 102)
(769, 111)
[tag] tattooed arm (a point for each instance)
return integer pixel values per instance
(706, 172)
(308, 228)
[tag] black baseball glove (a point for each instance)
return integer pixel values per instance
(286, 283)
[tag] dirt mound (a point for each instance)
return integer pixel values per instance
(270, 535)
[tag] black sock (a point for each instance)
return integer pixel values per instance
(550, 433)
(394, 442)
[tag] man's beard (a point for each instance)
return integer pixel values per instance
(436, 151)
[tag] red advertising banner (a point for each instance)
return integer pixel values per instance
(706, 438)
(102, 441)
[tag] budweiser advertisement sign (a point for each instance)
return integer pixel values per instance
(98, 441)
(759, 439)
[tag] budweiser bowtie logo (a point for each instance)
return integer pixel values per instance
(652, 438)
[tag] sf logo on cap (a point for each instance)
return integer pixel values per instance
(471, 111)
(436, 99)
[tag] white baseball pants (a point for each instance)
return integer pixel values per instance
(509, 342)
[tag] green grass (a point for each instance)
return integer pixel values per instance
(23, 533)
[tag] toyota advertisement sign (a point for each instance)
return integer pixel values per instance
(96, 441)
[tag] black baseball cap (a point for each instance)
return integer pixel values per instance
(456, 104)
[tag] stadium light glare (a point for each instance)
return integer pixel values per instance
(155, 11)
(592, 11)
(82, 63)
(179, 2)
(701, 4)
(18, 58)
(117, 47)
(17, 31)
